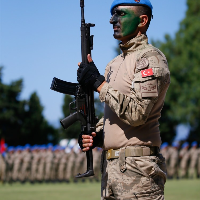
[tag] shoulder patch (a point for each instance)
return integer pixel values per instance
(142, 63)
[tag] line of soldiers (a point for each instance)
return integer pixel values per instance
(182, 162)
(46, 163)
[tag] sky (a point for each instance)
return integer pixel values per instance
(40, 39)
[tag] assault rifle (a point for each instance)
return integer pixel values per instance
(82, 109)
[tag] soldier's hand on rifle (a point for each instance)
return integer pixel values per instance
(88, 75)
(86, 141)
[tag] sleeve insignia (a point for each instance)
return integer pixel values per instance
(149, 88)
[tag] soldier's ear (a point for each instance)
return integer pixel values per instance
(143, 21)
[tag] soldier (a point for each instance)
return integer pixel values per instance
(26, 165)
(56, 161)
(10, 162)
(198, 163)
(133, 89)
(41, 165)
(48, 163)
(18, 157)
(2, 167)
(35, 163)
(62, 164)
(184, 156)
(164, 150)
(173, 161)
(194, 153)
(69, 173)
(97, 163)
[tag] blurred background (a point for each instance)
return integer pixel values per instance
(40, 40)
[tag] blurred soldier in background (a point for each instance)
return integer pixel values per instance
(97, 163)
(10, 163)
(48, 162)
(164, 150)
(56, 160)
(17, 163)
(35, 162)
(26, 165)
(70, 165)
(193, 160)
(62, 164)
(173, 161)
(3, 167)
(41, 164)
(198, 163)
(184, 156)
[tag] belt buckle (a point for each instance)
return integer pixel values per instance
(109, 154)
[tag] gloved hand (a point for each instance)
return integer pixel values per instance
(91, 141)
(89, 76)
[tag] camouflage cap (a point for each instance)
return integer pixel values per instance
(131, 2)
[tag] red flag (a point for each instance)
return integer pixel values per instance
(147, 72)
(2, 145)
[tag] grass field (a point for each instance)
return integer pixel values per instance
(174, 190)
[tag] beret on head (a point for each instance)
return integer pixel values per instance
(186, 144)
(131, 2)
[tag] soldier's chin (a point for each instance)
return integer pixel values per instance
(117, 36)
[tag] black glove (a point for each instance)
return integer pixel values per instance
(89, 76)
(97, 141)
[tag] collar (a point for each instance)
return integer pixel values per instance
(134, 44)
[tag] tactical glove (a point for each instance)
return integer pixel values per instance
(89, 76)
(97, 141)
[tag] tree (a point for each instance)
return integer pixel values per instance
(182, 52)
(36, 129)
(22, 121)
(11, 110)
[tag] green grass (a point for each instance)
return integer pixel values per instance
(174, 190)
(187, 189)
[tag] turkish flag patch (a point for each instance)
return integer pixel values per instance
(147, 72)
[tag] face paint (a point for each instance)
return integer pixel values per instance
(125, 22)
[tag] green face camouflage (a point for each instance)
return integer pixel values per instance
(124, 21)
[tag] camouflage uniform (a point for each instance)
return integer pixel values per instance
(56, 161)
(18, 157)
(165, 152)
(194, 153)
(62, 166)
(48, 164)
(97, 163)
(133, 102)
(41, 165)
(2, 168)
(26, 165)
(173, 162)
(198, 164)
(10, 161)
(184, 156)
(70, 166)
(34, 164)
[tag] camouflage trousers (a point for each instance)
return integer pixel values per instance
(131, 178)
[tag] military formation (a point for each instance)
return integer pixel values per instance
(183, 161)
(46, 163)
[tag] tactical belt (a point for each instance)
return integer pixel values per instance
(133, 151)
